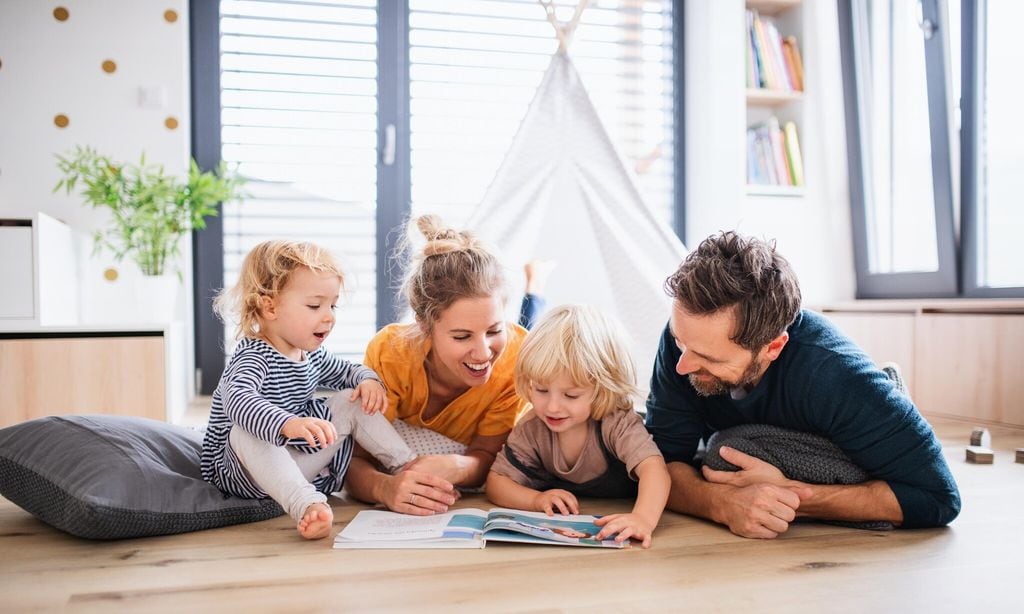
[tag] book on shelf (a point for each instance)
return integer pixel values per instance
(773, 61)
(773, 154)
(793, 57)
(468, 528)
(793, 153)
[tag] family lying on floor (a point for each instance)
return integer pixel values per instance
(544, 418)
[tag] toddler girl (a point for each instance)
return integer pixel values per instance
(268, 435)
(581, 437)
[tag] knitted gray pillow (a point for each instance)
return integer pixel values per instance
(805, 457)
(113, 477)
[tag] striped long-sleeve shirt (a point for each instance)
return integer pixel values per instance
(259, 391)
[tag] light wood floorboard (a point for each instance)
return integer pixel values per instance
(977, 564)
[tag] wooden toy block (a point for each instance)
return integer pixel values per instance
(979, 455)
(981, 437)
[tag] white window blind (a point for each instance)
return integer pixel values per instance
(298, 99)
(474, 66)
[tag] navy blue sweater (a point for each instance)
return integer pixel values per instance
(821, 383)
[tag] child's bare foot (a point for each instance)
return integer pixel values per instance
(316, 522)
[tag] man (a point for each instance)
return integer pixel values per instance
(739, 350)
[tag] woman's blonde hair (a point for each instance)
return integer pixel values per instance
(266, 270)
(453, 264)
(589, 347)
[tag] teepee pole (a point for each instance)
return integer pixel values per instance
(564, 31)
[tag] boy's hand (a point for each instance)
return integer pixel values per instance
(556, 499)
(626, 525)
(317, 433)
(374, 396)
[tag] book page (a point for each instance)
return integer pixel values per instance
(577, 530)
(377, 525)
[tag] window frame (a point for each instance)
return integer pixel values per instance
(943, 282)
(393, 180)
(958, 269)
(973, 77)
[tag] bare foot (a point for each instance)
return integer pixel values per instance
(537, 273)
(316, 522)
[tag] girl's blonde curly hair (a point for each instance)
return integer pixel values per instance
(265, 271)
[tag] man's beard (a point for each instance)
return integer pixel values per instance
(714, 385)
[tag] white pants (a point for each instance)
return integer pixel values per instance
(286, 474)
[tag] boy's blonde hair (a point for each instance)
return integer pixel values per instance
(589, 347)
(265, 271)
(453, 264)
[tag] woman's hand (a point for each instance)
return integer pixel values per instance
(626, 526)
(556, 499)
(450, 467)
(414, 492)
(373, 394)
(317, 433)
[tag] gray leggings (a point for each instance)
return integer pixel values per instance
(286, 474)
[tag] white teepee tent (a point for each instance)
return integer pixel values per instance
(563, 193)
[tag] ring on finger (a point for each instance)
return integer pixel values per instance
(412, 499)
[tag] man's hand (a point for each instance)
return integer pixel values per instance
(762, 511)
(752, 471)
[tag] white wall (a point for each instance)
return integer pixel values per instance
(52, 67)
(812, 231)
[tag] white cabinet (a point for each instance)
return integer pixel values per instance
(37, 270)
(17, 298)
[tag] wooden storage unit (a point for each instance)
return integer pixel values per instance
(121, 372)
(961, 358)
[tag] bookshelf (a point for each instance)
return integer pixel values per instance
(774, 98)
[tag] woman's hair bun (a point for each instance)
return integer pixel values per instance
(442, 239)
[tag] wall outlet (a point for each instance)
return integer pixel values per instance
(154, 97)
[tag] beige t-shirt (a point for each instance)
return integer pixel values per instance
(536, 447)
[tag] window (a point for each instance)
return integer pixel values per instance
(900, 169)
(950, 65)
(348, 115)
(474, 67)
(993, 158)
(298, 117)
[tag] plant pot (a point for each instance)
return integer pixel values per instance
(156, 298)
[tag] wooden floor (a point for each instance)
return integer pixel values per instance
(976, 565)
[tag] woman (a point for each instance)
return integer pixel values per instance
(449, 373)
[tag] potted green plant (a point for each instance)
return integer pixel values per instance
(150, 210)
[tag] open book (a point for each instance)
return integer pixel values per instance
(468, 528)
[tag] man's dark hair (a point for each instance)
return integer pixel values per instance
(729, 269)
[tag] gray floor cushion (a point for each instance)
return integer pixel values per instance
(112, 477)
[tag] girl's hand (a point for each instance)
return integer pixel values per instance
(556, 499)
(374, 396)
(317, 433)
(626, 525)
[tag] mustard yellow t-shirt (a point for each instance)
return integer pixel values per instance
(488, 409)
